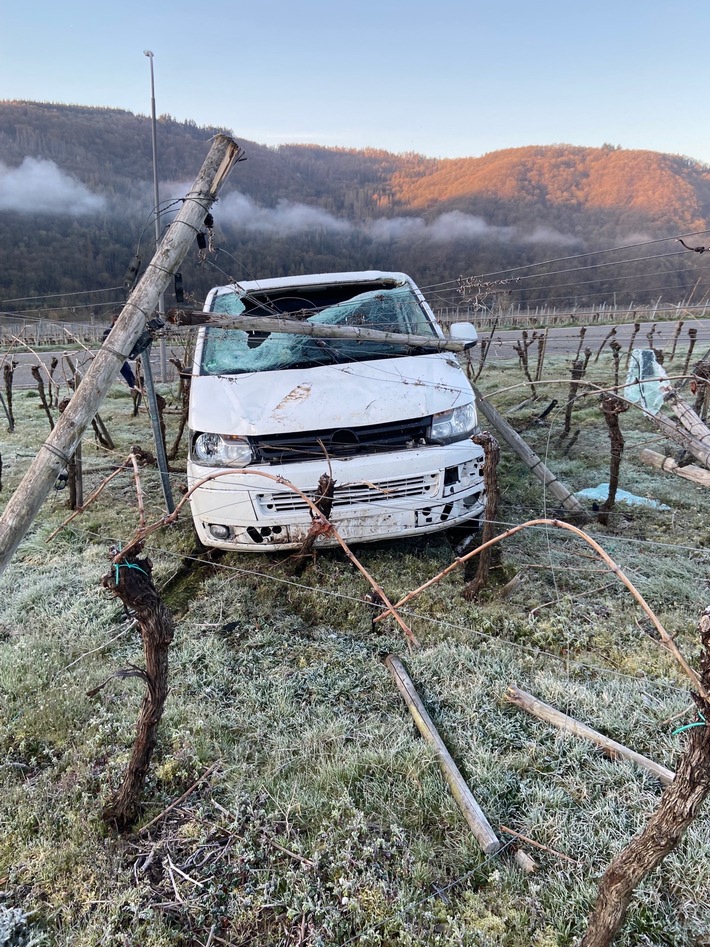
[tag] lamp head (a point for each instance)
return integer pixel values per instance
(148, 52)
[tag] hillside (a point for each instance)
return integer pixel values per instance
(76, 199)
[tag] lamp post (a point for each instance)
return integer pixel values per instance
(156, 199)
(147, 370)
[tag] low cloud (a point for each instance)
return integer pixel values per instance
(454, 225)
(38, 186)
(550, 235)
(286, 219)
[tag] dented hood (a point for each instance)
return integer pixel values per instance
(329, 396)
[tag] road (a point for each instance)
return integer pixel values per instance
(26, 360)
(564, 340)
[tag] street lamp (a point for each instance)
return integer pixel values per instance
(147, 370)
(156, 195)
(156, 198)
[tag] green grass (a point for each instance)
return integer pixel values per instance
(326, 820)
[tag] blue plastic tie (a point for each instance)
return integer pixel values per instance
(128, 565)
(689, 726)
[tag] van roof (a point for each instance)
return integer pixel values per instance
(317, 279)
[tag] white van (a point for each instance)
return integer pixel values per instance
(391, 423)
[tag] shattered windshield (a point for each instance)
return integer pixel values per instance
(234, 351)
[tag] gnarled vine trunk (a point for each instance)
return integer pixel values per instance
(679, 805)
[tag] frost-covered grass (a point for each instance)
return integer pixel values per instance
(325, 819)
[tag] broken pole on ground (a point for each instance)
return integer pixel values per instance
(551, 715)
(559, 491)
(101, 375)
(472, 812)
(669, 465)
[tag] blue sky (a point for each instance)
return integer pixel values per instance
(446, 78)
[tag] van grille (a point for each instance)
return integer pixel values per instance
(339, 442)
(426, 485)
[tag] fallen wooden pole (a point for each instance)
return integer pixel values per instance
(472, 812)
(549, 714)
(529, 457)
(317, 330)
(689, 472)
(61, 444)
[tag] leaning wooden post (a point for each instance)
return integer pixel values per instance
(61, 444)
(529, 457)
(472, 812)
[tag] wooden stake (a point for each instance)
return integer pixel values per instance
(61, 444)
(472, 812)
(549, 714)
(529, 457)
(689, 472)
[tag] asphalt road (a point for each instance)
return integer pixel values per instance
(81, 359)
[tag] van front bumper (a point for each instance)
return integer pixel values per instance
(381, 496)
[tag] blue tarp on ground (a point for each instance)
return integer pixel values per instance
(622, 496)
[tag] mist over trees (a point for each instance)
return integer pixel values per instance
(76, 204)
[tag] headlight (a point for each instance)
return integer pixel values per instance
(221, 450)
(454, 425)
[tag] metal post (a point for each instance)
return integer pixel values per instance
(156, 198)
(157, 433)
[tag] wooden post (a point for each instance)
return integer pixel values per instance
(61, 444)
(678, 434)
(158, 432)
(529, 457)
(472, 812)
(689, 472)
(100, 430)
(316, 330)
(691, 421)
(550, 715)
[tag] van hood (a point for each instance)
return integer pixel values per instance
(328, 396)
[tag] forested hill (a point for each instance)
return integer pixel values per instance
(76, 201)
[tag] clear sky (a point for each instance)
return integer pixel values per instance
(444, 78)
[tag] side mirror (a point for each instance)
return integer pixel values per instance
(463, 332)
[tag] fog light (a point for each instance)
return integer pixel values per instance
(218, 531)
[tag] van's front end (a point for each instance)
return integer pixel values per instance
(390, 423)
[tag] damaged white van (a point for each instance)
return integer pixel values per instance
(391, 423)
